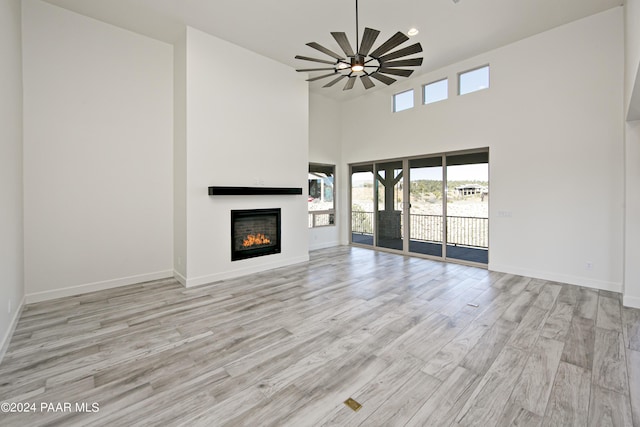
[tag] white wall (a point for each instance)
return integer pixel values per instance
(247, 123)
(632, 215)
(11, 225)
(324, 148)
(632, 59)
(552, 119)
(632, 154)
(98, 109)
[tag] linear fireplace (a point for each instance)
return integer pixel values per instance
(254, 233)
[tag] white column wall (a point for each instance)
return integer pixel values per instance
(247, 125)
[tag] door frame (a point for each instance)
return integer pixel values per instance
(406, 207)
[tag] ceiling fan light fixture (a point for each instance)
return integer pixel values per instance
(360, 62)
(413, 32)
(357, 64)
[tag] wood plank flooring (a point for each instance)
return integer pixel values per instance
(289, 346)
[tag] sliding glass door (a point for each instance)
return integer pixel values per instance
(434, 206)
(362, 206)
(467, 209)
(427, 202)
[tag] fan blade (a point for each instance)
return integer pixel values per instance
(368, 39)
(414, 48)
(396, 72)
(334, 81)
(366, 81)
(384, 79)
(415, 62)
(343, 42)
(350, 83)
(323, 61)
(395, 40)
(324, 50)
(321, 77)
(315, 69)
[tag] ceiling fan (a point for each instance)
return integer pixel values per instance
(364, 63)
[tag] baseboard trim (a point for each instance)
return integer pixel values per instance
(324, 245)
(633, 302)
(180, 278)
(561, 278)
(96, 286)
(211, 278)
(6, 340)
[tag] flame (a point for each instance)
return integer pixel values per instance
(255, 239)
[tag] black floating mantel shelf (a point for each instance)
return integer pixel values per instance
(253, 191)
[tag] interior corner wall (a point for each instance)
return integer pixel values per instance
(632, 59)
(631, 296)
(247, 125)
(324, 148)
(98, 135)
(180, 159)
(552, 120)
(11, 223)
(632, 155)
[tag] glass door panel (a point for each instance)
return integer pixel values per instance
(362, 206)
(390, 202)
(426, 206)
(467, 207)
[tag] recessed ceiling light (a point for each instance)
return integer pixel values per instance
(413, 32)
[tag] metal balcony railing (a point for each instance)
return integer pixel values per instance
(461, 230)
(321, 218)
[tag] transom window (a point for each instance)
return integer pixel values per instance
(403, 101)
(436, 91)
(473, 80)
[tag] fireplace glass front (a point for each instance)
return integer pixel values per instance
(255, 233)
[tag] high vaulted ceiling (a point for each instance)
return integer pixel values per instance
(279, 29)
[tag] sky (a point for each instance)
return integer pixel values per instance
(475, 172)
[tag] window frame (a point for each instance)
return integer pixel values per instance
(424, 91)
(413, 100)
(471, 70)
(332, 211)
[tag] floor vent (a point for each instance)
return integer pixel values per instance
(353, 404)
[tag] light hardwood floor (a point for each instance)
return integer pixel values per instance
(289, 346)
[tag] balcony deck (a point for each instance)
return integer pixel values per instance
(467, 237)
(478, 255)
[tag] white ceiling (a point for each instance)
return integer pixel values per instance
(279, 29)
